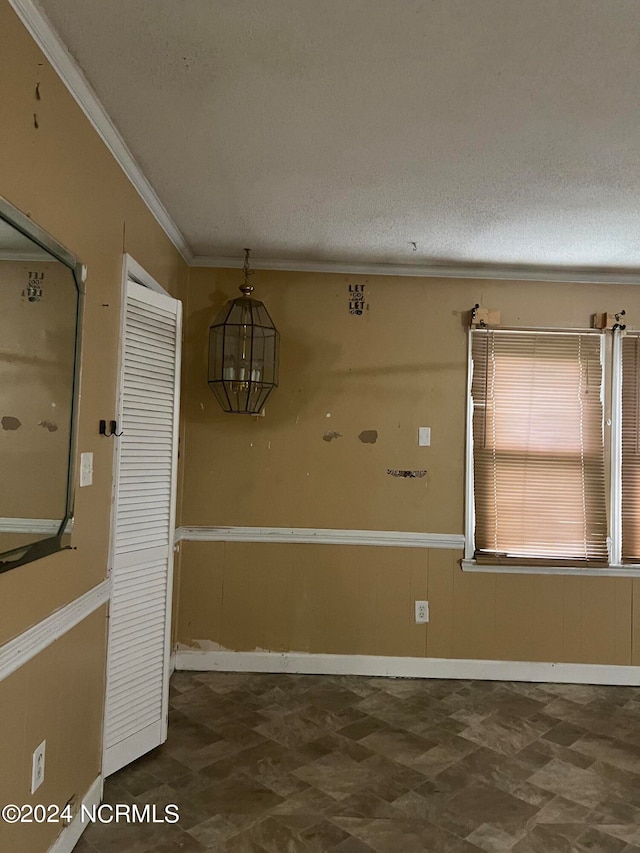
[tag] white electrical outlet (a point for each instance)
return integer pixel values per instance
(86, 469)
(424, 436)
(37, 767)
(422, 612)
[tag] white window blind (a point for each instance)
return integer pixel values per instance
(631, 449)
(538, 450)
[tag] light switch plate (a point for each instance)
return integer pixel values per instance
(424, 436)
(86, 469)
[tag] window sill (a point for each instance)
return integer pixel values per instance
(608, 571)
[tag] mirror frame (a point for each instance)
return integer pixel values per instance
(22, 223)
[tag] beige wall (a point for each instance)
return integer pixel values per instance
(400, 365)
(57, 695)
(61, 174)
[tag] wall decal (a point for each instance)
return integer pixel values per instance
(357, 303)
(33, 290)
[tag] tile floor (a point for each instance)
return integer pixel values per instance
(312, 764)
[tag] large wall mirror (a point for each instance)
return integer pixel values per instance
(40, 284)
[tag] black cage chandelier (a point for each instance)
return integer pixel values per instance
(243, 352)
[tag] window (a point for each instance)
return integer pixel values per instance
(630, 485)
(544, 489)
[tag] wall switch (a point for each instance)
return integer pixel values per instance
(86, 469)
(37, 767)
(424, 436)
(422, 612)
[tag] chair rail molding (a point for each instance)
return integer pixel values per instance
(321, 536)
(15, 653)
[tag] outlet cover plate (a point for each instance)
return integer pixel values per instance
(37, 766)
(422, 612)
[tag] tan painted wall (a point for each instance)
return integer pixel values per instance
(63, 176)
(57, 695)
(400, 365)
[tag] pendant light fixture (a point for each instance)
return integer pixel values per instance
(243, 352)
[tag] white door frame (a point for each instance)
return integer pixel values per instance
(133, 271)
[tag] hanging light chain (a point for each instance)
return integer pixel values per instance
(246, 288)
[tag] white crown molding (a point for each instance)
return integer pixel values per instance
(318, 536)
(27, 645)
(516, 272)
(47, 39)
(406, 667)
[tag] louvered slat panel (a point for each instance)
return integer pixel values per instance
(129, 522)
(139, 348)
(141, 711)
(140, 545)
(137, 428)
(149, 465)
(156, 532)
(126, 677)
(143, 367)
(141, 501)
(132, 675)
(139, 590)
(134, 583)
(140, 714)
(142, 526)
(135, 445)
(150, 318)
(140, 704)
(150, 313)
(141, 402)
(127, 631)
(128, 662)
(161, 421)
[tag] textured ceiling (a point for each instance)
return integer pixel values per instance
(487, 131)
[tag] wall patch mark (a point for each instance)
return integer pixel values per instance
(406, 474)
(10, 423)
(329, 436)
(368, 436)
(50, 425)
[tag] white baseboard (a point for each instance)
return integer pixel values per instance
(70, 836)
(407, 667)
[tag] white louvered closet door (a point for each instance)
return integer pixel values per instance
(142, 528)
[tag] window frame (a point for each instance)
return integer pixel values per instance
(612, 400)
